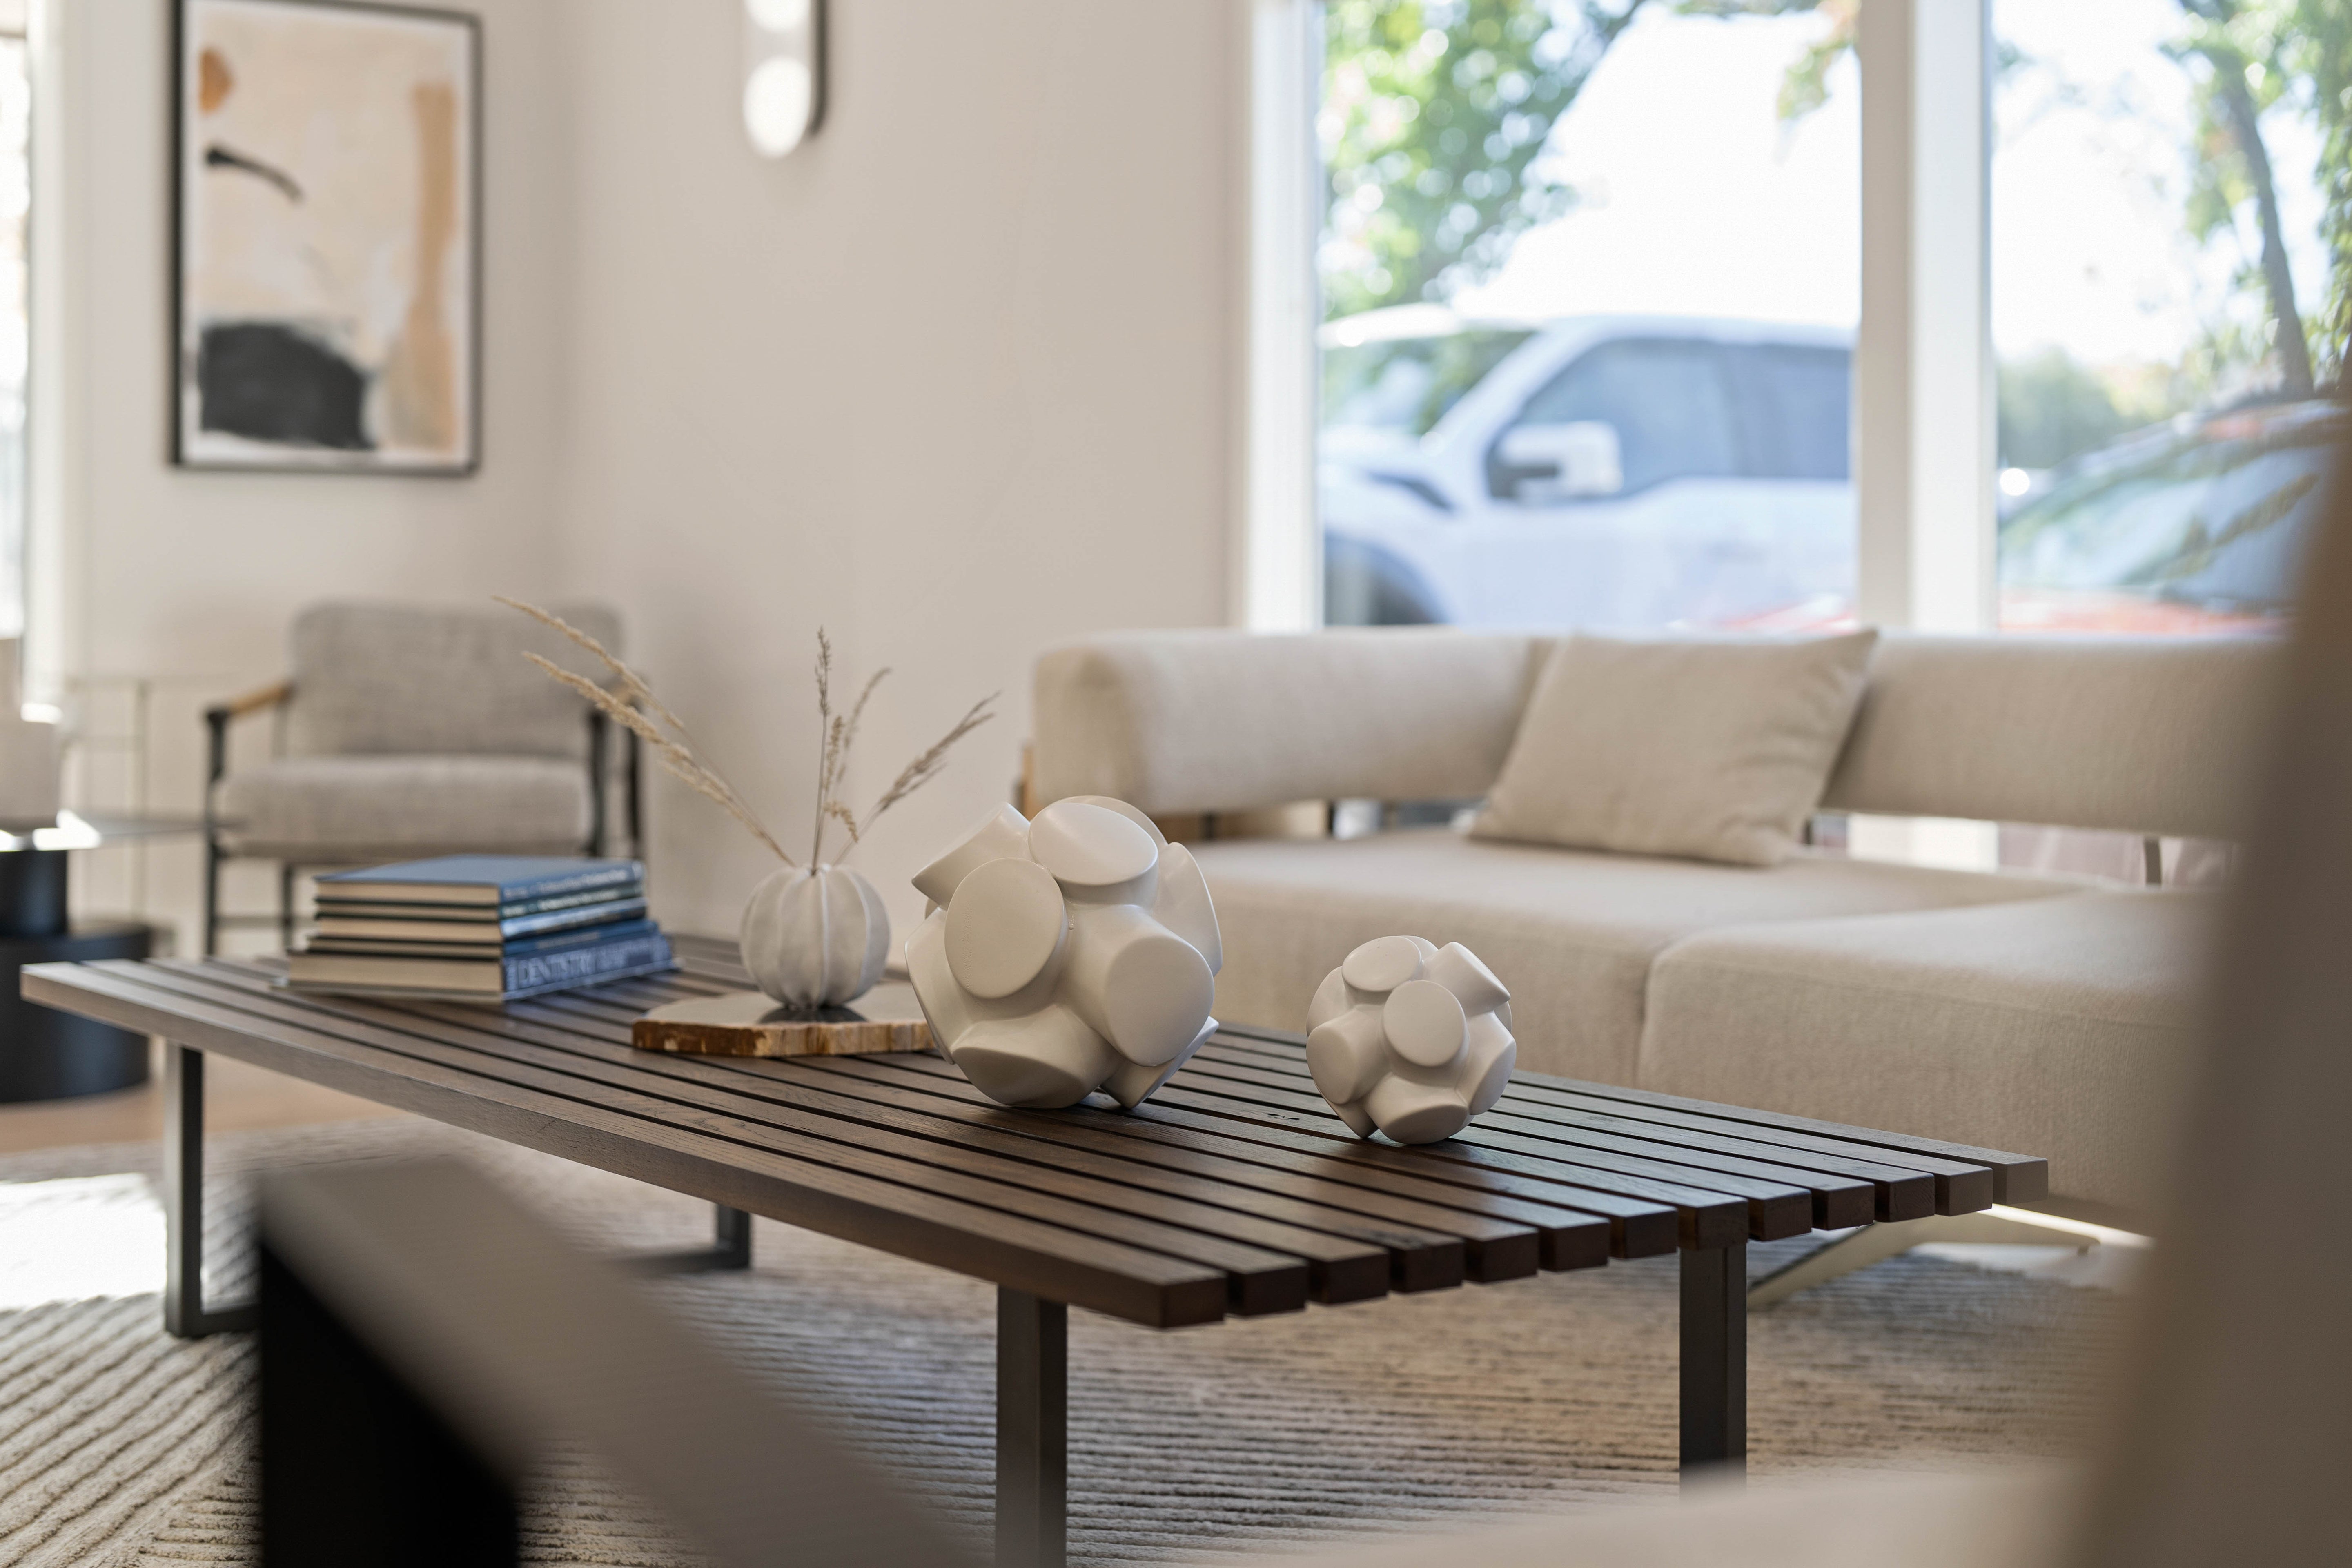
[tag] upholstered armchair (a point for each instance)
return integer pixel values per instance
(407, 731)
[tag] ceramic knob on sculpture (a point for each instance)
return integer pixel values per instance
(815, 937)
(1075, 952)
(1411, 1038)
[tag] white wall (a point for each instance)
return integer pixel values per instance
(193, 575)
(954, 380)
(951, 381)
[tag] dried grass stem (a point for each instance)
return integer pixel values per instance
(836, 733)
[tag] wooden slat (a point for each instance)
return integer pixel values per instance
(1345, 1269)
(2016, 1178)
(1959, 1186)
(1630, 1227)
(1494, 1221)
(1846, 1191)
(1701, 1219)
(1770, 1210)
(1424, 1262)
(1122, 1281)
(1781, 1203)
(1235, 1189)
(1429, 1246)
(1435, 1246)
(1261, 1280)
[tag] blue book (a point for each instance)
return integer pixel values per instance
(533, 973)
(493, 880)
(472, 927)
(484, 979)
(487, 943)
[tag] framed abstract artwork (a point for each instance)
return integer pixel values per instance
(327, 238)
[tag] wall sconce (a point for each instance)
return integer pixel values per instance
(783, 73)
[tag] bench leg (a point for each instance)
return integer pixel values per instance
(184, 1313)
(730, 1248)
(1032, 1437)
(1715, 1362)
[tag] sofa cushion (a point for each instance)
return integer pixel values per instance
(2053, 1027)
(360, 808)
(1572, 932)
(1717, 749)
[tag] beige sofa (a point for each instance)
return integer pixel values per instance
(2031, 1013)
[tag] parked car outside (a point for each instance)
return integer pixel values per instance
(1605, 471)
(2195, 525)
(1642, 472)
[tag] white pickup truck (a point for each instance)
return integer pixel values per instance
(1603, 471)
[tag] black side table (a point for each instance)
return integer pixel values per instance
(46, 1054)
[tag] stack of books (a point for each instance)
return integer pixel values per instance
(484, 928)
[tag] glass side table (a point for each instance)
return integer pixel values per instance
(44, 1054)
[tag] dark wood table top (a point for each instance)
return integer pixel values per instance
(1234, 1190)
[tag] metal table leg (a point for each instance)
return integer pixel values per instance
(730, 1248)
(1714, 1361)
(1032, 1438)
(184, 1313)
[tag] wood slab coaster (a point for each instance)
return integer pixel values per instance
(749, 1024)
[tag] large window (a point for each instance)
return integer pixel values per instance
(2168, 266)
(1590, 276)
(1668, 189)
(16, 203)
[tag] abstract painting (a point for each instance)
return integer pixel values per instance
(328, 237)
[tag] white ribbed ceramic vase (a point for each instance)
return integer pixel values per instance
(815, 937)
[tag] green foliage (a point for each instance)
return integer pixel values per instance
(1433, 114)
(2053, 406)
(2318, 49)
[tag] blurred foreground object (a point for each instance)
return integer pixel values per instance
(423, 1339)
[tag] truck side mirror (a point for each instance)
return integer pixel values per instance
(1563, 462)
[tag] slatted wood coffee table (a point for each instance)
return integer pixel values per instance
(1235, 1191)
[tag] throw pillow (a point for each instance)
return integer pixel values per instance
(1711, 749)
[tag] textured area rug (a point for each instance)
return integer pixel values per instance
(120, 1446)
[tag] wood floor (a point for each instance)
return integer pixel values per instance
(238, 1097)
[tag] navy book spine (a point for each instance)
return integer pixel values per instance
(486, 871)
(628, 874)
(585, 965)
(568, 917)
(584, 936)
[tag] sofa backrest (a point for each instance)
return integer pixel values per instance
(419, 679)
(2139, 735)
(2135, 734)
(1218, 721)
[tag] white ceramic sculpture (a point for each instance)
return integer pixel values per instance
(1411, 1038)
(1074, 952)
(815, 936)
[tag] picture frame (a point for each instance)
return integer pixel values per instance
(326, 238)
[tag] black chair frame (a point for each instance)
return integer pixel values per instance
(273, 700)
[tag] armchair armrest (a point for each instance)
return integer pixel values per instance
(216, 723)
(268, 696)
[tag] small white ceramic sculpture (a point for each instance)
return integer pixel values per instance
(1411, 1038)
(815, 936)
(1074, 952)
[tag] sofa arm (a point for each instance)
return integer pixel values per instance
(1186, 721)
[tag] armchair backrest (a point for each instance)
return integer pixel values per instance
(413, 679)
